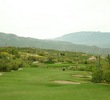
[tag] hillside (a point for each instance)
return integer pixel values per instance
(99, 39)
(13, 40)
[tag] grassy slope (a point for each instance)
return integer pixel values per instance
(36, 84)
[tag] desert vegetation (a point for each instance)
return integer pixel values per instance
(30, 73)
(13, 58)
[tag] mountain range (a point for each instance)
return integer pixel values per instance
(99, 39)
(56, 44)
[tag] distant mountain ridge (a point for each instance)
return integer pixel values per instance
(14, 40)
(99, 39)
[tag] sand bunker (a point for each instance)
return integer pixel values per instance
(66, 82)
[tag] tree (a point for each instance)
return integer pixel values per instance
(108, 58)
(97, 75)
(98, 62)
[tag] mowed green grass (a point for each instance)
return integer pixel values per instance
(38, 84)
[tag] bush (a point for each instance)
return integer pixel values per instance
(107, 76)
(97, 76)
(8, 65)
(5, 66)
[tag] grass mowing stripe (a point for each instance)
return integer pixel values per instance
(37, 84)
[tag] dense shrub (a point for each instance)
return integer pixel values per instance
(97, 76)
(107, 76)
(8, 65)
(5, 65)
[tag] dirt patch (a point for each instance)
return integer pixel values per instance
(66, 82)
(20, 69)
(81, 76)
(78, 75)
(1, 74)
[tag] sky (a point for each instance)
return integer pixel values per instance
(45, 19)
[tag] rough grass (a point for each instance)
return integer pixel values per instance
(37, 84)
